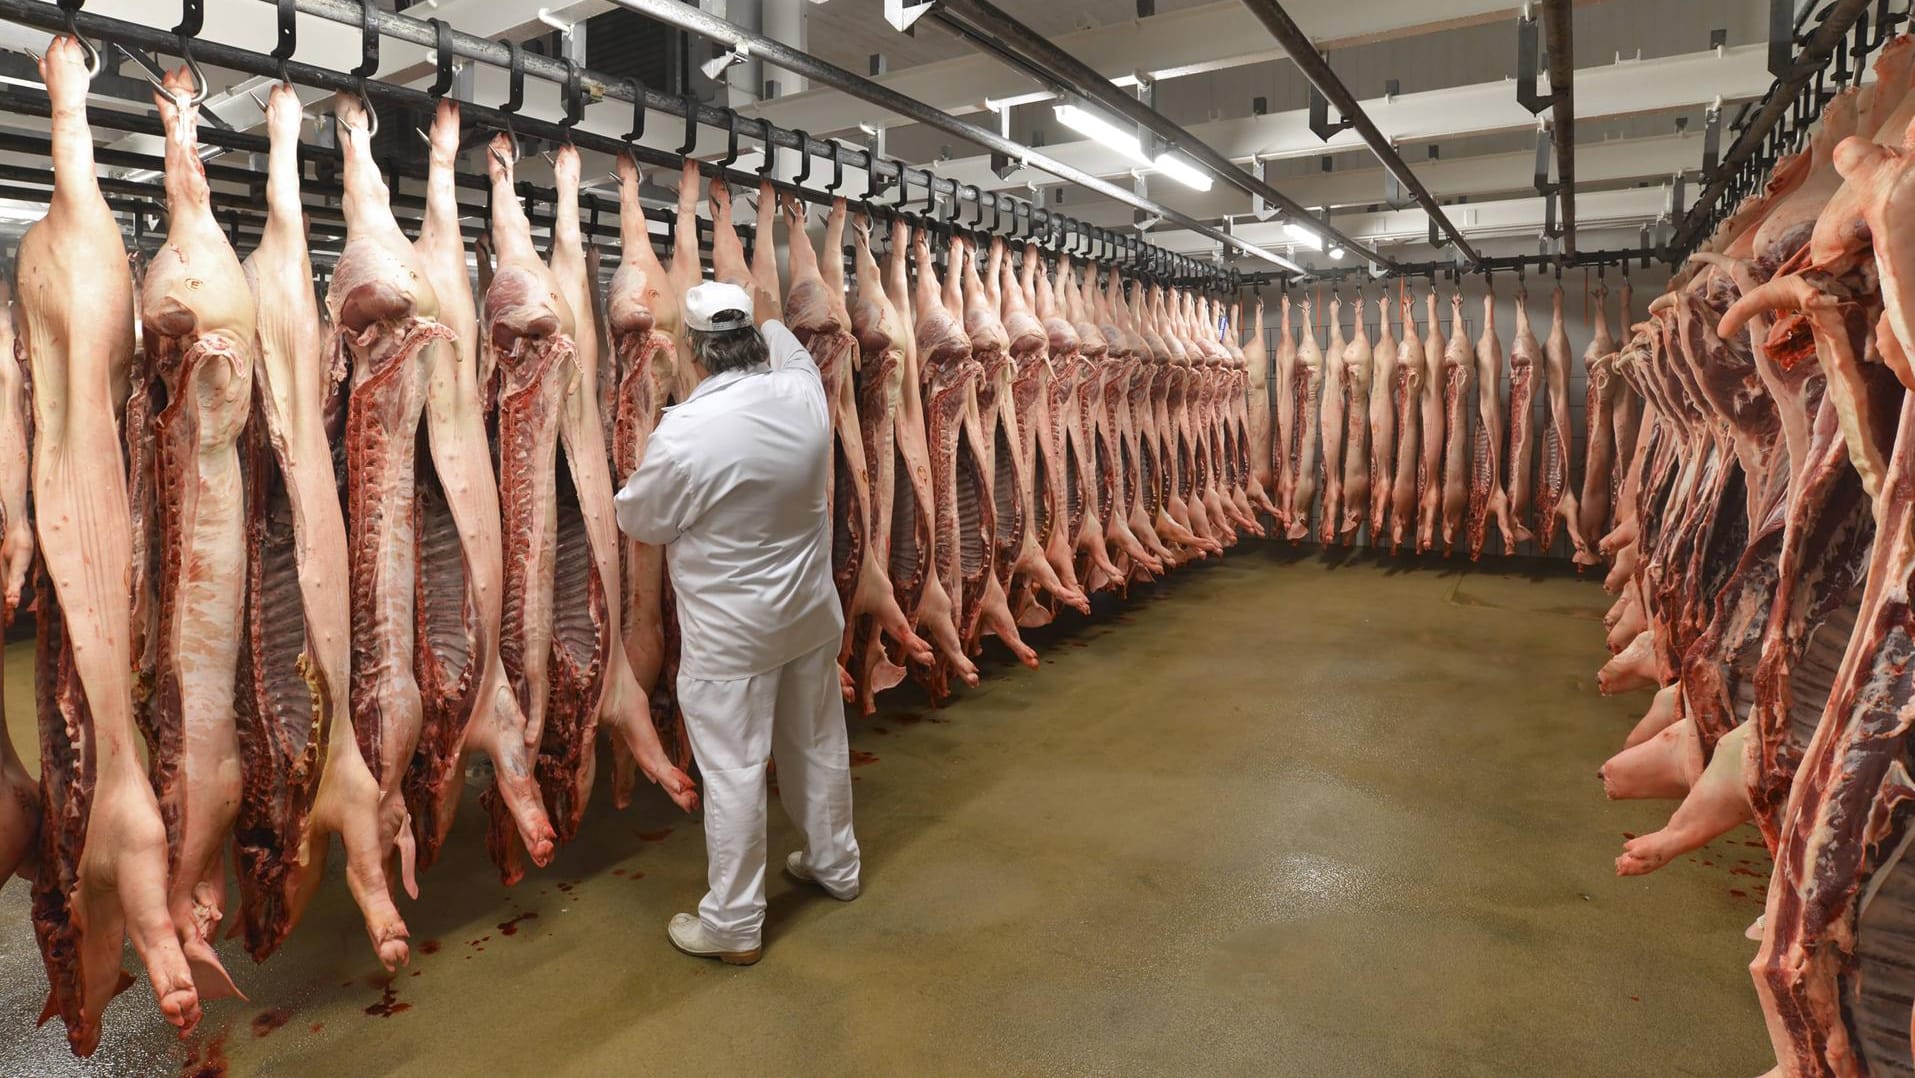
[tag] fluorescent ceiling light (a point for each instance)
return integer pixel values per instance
(1336, 254)
(1089, 123)
(1268, 256)
(1096, 127)
(1183, 171)
(13, 209)
(1303, 237)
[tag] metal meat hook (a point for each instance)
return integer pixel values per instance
(372, 116)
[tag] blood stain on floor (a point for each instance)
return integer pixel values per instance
(388, 1004)
(207, 1060)
(268, 1020)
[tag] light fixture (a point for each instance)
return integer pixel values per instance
(13, 209)
(1182, 171)
(1088, 123)
(1302, 236)
(1271, 257)
(1336, 254)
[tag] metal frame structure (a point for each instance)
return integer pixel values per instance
(690, 18)
(1055, 229)
(579, 87)
(1610, 90)
(1303, 52)
(1819, 50)
(1559, 39)
(1489, 264)
(1165, 46)
(1792, 103)
(989, 29)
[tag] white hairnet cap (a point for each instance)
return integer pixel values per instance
(705, 302)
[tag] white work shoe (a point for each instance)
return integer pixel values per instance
(688, 935)
(795, 868)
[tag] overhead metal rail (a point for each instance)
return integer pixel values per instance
(1489, 264)
(1303, 52)
(1035, 221)
(1797, 88)
(690, 18)
(995, 32)
(994, 211)
(317, 192)
(320, 196)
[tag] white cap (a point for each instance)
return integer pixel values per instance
(706, 301)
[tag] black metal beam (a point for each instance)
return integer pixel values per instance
(1489, 264)
(991, 30)
(1303, 52)
(1822, 43)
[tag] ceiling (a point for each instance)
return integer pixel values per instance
(1648, 71)
(1436, 75)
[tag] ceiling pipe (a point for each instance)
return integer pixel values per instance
(991, 30)
(687, 17)
(1303, 52)
(1821, 44)
(1559, 41)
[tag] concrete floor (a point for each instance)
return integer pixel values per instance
(1275, 817)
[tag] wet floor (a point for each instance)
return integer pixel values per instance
(1272, 816)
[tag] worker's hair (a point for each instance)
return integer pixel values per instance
(729, 349)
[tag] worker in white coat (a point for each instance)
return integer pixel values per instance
(733, 485)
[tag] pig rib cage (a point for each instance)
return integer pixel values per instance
(920, 195)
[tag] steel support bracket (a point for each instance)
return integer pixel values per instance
(876, 181)
(1543, 145)
(1260, 209)
(1782, 38)
(1320, 123)
(1528, 66)
(901, 14)
(1395, 195)
(1001, 163)
(1711, 141)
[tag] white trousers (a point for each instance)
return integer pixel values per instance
(795, 715)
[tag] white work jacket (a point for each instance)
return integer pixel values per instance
(733, 484)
